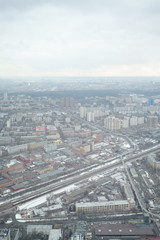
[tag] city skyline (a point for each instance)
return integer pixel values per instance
(87, 38)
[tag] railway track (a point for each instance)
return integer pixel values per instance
(73, 178)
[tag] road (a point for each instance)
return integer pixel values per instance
(138, 196)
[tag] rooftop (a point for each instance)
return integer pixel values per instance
(93, 204)
(122, 230)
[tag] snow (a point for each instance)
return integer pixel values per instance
(41, 200)
(93, 156)
(151, 203)
(126, 145)
(69, 188)
(12, 162)
(9, 220)
(53, 207)
(118, 176)
(18, 216)
(41, 220)
(33, 203)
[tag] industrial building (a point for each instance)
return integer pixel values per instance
(101, 207)
(123, 231)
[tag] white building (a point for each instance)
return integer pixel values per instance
(83, 112)
(125, 122)
(140, 120)
(133, 121)
(113, 123)
(55, 234)
(90, 116)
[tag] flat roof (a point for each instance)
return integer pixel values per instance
(39, 227)
(122, 230)
(108, 203)
(55, 234)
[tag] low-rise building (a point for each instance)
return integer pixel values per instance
(39, 229)
(123, 231)
(55, 234)
(101, 207)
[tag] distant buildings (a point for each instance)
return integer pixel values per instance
(92, 113)
(67, 102)
(150, 101)
(154, 161)
(152, 121)
(115, 123)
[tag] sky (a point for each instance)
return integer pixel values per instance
(79, 38)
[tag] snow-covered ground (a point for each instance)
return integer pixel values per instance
(40, 200)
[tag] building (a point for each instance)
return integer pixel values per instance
(84, 148)
(14, 166)
(129, 193)
(123, 231)
(140, 120)
(50, 147)
(51, 130)
(152, 121)
(90, 116)
(83, 112)
(35, 145)
(150, 101)
(67, 102)
(76, 194)
(125, 122)
(78, 236)
(133, 121)
(101, 207)
(39, 229)
(55, 234)
(153, 162)
(17, 148)
(5, 96)
(113, 123)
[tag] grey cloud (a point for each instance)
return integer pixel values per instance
(57, 34)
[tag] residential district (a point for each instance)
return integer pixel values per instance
(79, 168)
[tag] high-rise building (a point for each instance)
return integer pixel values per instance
(90, 116)
(67, 102)
(150, 101)
(140, 120)
(125, 122)
(133, 121)
(152, 121)
(112, 123)
(83, 112)
(5, 96)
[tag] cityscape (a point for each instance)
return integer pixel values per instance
(80, 166)
(79, 120)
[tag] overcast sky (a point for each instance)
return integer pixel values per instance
(79, 38)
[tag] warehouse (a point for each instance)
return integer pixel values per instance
(123, 231)
(101, 207)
